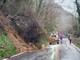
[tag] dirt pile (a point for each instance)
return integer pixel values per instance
(22, 30)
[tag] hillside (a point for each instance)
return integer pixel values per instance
(12, 33)
(28, 23)
(64, 20)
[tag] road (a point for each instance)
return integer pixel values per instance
(64, 51)
(46, 54)
(68, 51)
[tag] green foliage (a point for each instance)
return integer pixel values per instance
(76, 29)
(1, 3)
(42, 41)
(44, 30)
(6, 47)
(78, 10)
(50, 27)
(78, 42)
(39, 5)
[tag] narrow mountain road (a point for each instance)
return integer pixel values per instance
(64, 51)
(68, 51)
(50, 53)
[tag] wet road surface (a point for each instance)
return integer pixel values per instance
(68, 51)
(49, 53)
(64, 51)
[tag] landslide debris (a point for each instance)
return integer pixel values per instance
(23, 30)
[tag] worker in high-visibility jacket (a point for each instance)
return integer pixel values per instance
(69, 38)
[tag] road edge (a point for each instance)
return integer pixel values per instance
(76, 47)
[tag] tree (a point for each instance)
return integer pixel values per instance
(78, 10)
(77, 26)
(39, 5)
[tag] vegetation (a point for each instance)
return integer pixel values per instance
(77, 26)
(28, 21)
(78, 10)
(76, 30)
(6, 47)
(77, 42)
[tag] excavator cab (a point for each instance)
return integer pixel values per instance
(53, 38)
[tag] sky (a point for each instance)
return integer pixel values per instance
(79, 1)
(67, 5)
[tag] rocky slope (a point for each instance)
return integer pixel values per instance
(21, 29)
(20, 24)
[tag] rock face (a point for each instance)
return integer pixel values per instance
(20, 24)
(22, 17)
(21, 29)
(27, 26)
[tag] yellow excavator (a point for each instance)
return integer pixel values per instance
(54, 38)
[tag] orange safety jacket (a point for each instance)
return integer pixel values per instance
(70, 38)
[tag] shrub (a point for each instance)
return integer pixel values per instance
(6, 47)
(76, 30)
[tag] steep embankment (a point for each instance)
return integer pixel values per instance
(11, 31)
(21, 24)
(21, 30)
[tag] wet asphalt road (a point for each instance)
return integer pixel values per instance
(68, 51)
(49, 53)
(64, 51)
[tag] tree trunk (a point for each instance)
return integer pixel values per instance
(78, 10)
